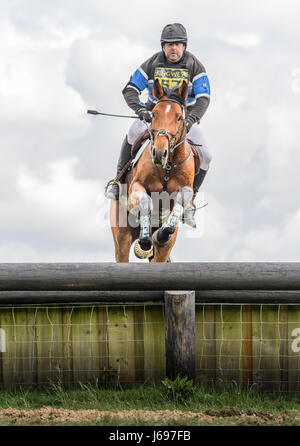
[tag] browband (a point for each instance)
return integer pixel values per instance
(176, 102)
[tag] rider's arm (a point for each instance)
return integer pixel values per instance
(201, 92)
(133, 89)
(137, 83)
(195, 112)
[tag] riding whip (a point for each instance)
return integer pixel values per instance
(95, 112)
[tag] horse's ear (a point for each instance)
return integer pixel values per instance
(183, 90)
(158, 91)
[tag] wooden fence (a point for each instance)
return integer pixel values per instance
(238, 322)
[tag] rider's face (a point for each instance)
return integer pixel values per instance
(173, 51)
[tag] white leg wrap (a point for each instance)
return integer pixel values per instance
(174, 217)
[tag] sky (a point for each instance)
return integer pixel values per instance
(60, 58)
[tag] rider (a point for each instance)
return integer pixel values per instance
(171, 66)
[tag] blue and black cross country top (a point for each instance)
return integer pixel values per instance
(188, 69)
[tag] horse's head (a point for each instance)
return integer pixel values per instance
(168, 127)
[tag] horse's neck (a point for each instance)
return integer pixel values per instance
(181, 152)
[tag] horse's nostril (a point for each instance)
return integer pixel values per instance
(165, 153)
(154, 152)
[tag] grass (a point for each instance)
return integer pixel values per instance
(155, 397)
(222, 404)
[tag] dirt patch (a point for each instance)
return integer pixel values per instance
(233, 412)
(50, 414)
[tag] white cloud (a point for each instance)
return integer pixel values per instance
(271, 242)
(242, 40)
(64, 203)
(33, 91)
(60, 210)
(283, 137)
(59, 58)
(93, 71)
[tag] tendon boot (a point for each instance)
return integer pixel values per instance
(189, 213)
(112, 189)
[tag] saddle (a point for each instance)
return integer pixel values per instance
(142, 138)
(197, 154)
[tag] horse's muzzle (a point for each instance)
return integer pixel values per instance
(158, 158)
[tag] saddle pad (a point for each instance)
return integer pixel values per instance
(139, 153)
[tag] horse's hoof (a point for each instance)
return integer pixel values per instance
(162, 236)
(146, 243)
(139, 250)
(169, 230)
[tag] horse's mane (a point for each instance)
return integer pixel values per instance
(172, 93)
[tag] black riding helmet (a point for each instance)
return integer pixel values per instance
(174, 32)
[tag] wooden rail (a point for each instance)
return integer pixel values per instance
(134, 276)
(205, 296)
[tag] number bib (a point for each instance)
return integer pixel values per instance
(170, 77)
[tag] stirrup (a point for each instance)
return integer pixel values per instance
(107, 186)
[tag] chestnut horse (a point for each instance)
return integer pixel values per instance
(166, 167)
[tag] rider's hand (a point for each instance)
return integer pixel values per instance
(144, 114)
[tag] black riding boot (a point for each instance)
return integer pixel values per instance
(112, 191)
(198, 180)
(189, 213)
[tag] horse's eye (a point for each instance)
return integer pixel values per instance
(180, 118)
(153, 115)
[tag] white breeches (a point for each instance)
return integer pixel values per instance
(138, 127)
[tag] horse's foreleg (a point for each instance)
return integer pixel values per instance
(162, 236)
(140, 197)
(145, 205)
(162, 253)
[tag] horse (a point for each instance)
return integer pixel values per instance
(165, 170)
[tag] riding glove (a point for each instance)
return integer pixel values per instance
(144, 114)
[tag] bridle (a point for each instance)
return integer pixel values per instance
(171, 137)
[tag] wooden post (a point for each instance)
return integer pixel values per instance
(180, 333)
